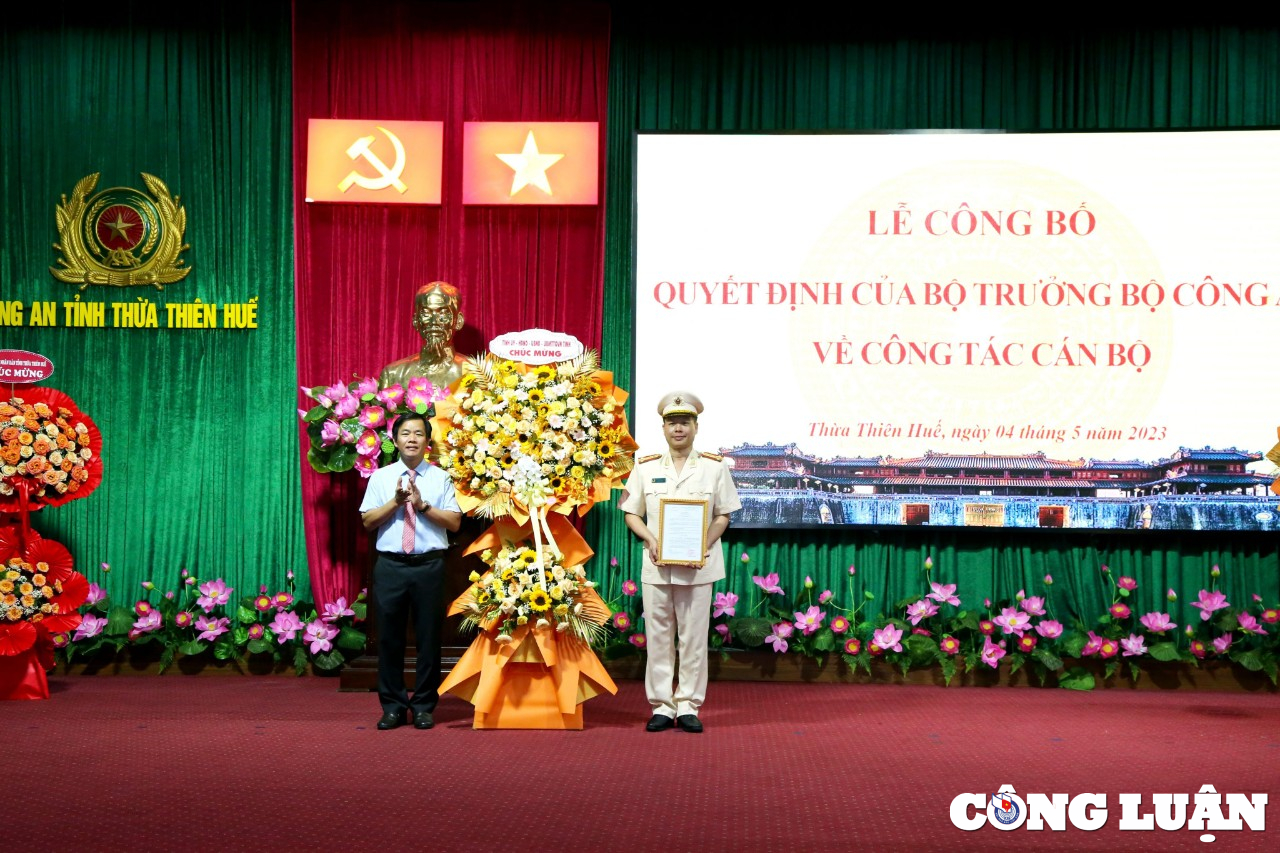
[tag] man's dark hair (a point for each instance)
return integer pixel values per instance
(407, 418)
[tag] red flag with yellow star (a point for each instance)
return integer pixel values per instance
(547, 162)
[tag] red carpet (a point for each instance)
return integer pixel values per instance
(281, 764)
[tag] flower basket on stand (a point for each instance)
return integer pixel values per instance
(527, 446)
(49, 454)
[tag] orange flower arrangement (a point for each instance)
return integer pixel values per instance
(39, 594)
(49, 450)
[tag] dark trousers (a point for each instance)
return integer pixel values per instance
(404, 586)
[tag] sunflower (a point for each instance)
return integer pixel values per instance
(544, 373)
(539, 600)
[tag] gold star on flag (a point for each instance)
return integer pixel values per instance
(530, 166)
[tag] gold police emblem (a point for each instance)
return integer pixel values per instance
(121, 236)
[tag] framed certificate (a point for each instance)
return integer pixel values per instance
(682, 532)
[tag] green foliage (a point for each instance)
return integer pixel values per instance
(615, 651)
(351, 638)
(750, 631)
(1165, 651)
(1074, 644)
(328, 660)
(923, 651)
(1076, 678)
(119, 621)
(225, 649)
(1250, 660)
(948, 665)
(1048, 659)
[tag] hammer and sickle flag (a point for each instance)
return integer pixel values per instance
(372, 161)
(539, 162)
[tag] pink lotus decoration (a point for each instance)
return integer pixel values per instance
(768, 583)
(888, 638)
(1210, 602)
(1157, 623)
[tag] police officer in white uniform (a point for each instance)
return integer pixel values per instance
(677, 599)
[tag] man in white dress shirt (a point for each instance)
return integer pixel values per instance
(411, 504)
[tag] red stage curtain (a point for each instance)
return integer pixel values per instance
(358, 265)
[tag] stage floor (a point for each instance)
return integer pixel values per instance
(280, 763)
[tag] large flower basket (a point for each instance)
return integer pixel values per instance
(526, 447)
(534, 676)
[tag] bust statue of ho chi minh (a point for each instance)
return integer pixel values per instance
(436, 316)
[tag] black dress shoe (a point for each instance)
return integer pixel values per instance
(659, 722)
(689, 723)
(391, 720)
(422, 720)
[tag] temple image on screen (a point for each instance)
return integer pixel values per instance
(1192, 489)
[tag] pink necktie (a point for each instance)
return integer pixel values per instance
(410, 518)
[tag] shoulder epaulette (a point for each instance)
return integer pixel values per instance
(716, 456)
(649, 458)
